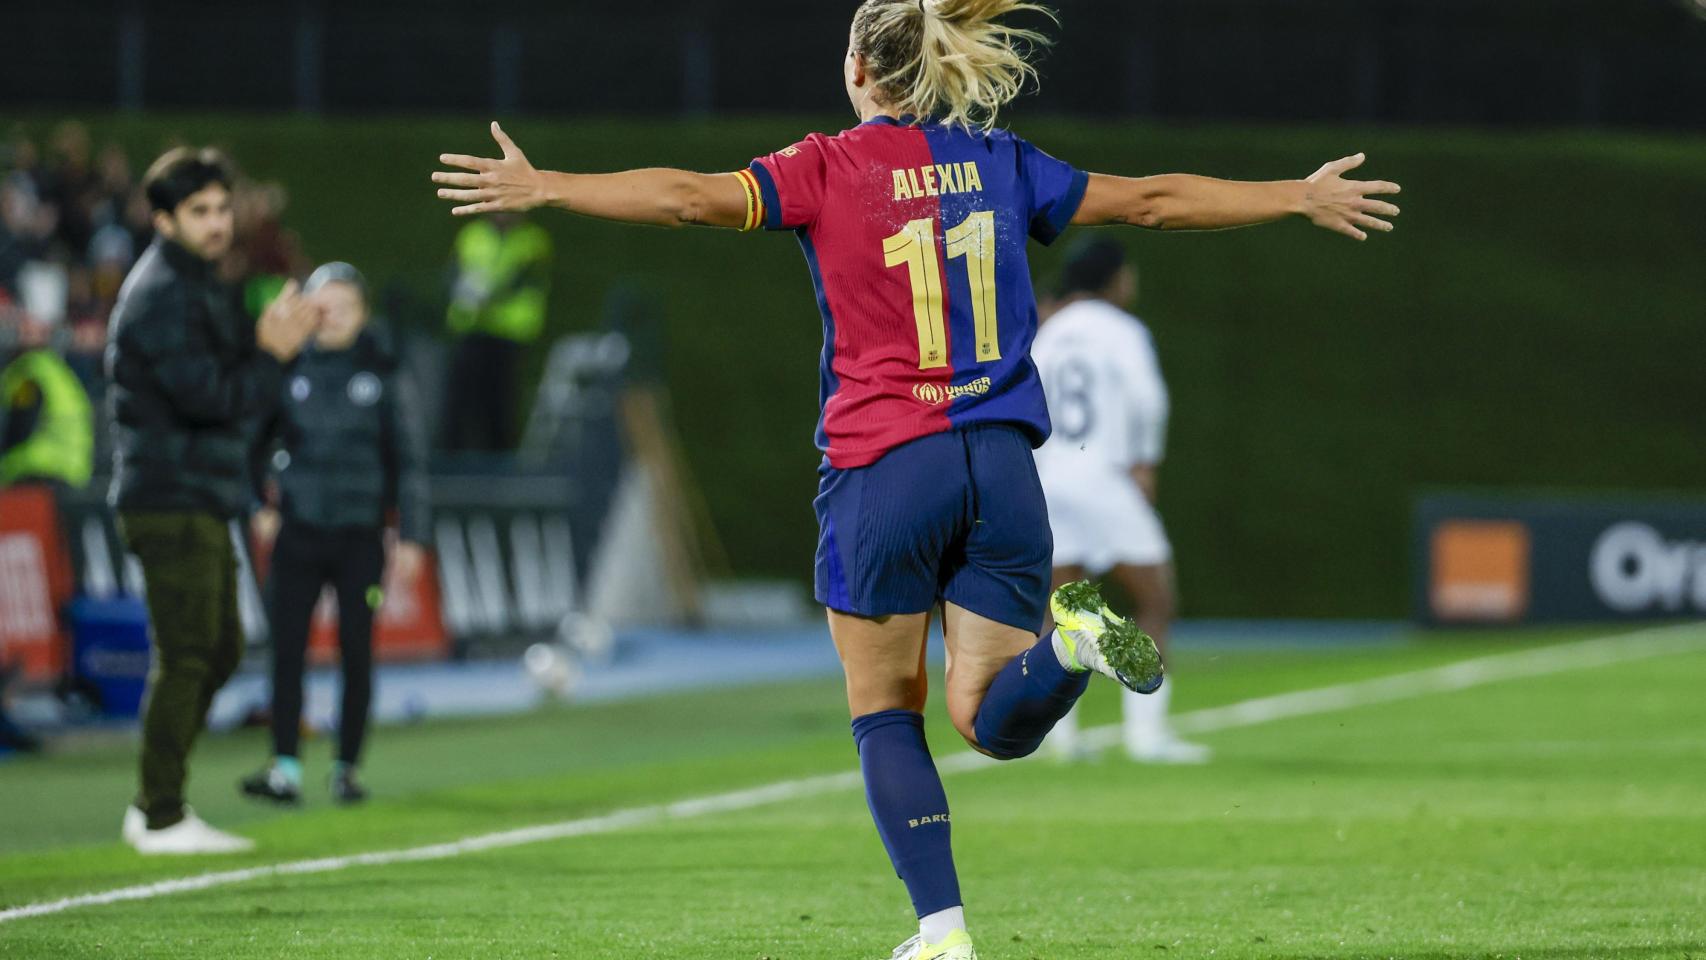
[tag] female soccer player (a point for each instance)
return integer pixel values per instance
(913, 225)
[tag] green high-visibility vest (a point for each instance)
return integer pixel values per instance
(62, 445)
(502, 278)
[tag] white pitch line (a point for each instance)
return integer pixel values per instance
(1534, 662)
(1602, 651)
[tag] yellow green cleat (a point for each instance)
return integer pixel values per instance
(1098, 639)
(955, 946)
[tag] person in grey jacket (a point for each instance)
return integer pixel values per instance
(349, 454)
(189, 371)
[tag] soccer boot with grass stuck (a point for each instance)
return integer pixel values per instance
(1098, 639)
(955, 946)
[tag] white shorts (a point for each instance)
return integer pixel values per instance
(1101, 522)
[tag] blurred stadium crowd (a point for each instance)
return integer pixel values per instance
(73, 220)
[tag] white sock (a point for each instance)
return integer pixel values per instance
(1146, 715)
(1061, 654)
(1063, 739)
(936, 927)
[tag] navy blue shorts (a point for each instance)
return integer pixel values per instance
(956, 516)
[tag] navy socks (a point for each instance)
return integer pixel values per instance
(1028, 697)
(907, 802)
(904, 791)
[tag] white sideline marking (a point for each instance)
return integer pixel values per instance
(1536, 662)
(1584, 654)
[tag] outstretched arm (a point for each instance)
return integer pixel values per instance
(659, 196)
(1178, 201)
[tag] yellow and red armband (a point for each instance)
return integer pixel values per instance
(754, 200)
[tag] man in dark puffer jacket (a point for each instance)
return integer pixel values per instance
(188, 371)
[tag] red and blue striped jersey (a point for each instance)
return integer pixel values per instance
(915, 236)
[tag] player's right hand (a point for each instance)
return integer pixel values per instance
(1347, 206)
(506, 183)
(287, 323)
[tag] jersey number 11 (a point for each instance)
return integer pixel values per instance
(915, 248)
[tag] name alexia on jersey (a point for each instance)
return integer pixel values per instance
(937, 179)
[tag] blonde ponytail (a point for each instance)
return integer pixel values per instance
(949, 60)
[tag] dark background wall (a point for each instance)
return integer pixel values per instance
(1600, 62)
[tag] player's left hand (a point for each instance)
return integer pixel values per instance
(264, 525)
(507, 183)
(1347, 206)
(406, 561)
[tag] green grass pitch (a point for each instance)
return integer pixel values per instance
(1553, 817)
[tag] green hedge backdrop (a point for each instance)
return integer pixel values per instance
(1536, 320)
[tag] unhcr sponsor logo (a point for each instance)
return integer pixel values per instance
(934, 393)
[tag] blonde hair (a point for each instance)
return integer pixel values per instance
(950, 60)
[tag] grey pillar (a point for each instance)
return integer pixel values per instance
(506, 67)
(310, 56)
(131, 35)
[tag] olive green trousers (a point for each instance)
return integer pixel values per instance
(190, 565)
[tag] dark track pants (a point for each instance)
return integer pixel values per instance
(190, 566)
(480, 394)
(306, 558)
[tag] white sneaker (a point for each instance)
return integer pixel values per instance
(192, 834)
(1167, 749)
(135, 822)
(955, 946)
(1149, 738)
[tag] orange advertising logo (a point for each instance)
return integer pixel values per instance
(1480, 571)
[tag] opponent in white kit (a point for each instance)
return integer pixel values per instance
(1109, 406)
